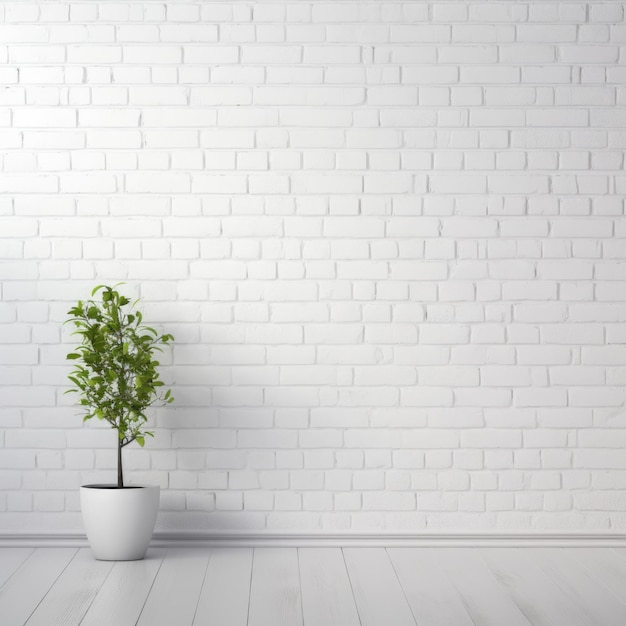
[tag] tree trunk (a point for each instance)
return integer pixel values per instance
(120, 477)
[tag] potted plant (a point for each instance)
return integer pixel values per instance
(117, 380)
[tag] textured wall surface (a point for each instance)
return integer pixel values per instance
(389, 238)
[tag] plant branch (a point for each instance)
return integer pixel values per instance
(116, 374)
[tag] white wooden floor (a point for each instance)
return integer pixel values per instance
(316, 587)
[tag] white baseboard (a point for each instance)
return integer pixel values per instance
(272, 539)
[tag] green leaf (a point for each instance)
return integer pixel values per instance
(115, 372)
(141, 441)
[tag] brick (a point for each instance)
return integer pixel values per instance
(116, 139)
(392, 95)
(87, 183)
(218, 184)
(188, 33)
(582, 228)
(329, 13)
(491, 438)
(311, 96)
(449, 376)
(142, 182)
(23, 33)
(461, 184)
(271, 54)
(498, 117)
(210, 55)
(469, 227)
(183, 13)
(44, 118)
(325, 55)
(541, 33)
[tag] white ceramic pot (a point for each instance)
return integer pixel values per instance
(119, 522)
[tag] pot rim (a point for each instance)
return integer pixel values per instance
(114, 487)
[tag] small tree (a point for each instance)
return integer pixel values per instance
(116, 371)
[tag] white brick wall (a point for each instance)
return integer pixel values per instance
(389, 238)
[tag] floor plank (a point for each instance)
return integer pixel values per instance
(537, 596)
(275, 592)
(484, 598)
(225, 595)
(327, 598)
(11, 560)
(583, 590)
(621, 552)
(123, 594)
(377, 591)
(22, 593)
(605, 565)
(432, 597)
(176, 589)
(74, 590)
